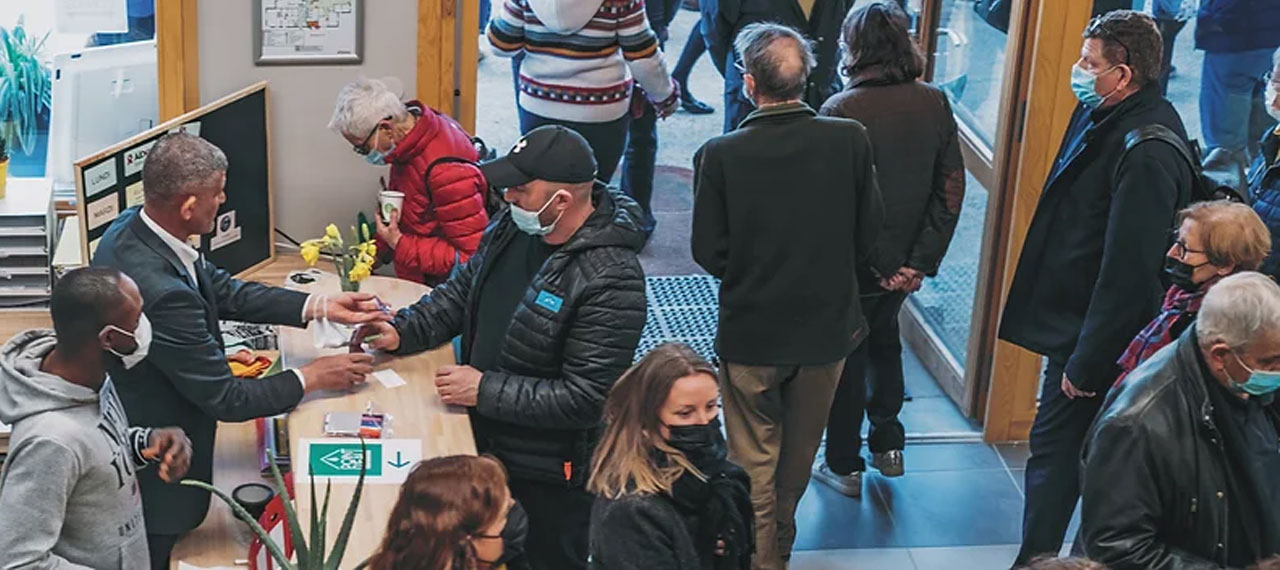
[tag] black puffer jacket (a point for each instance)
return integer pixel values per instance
(571, 337)
(1155, 477)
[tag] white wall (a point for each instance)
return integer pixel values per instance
(317, 178)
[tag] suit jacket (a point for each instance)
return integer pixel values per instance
(185, 380)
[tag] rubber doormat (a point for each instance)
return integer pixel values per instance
(682, 308)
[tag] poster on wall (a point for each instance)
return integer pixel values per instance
(301, 32)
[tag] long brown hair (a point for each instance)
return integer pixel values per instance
(876, 35)
(443, 503)
(624, 461)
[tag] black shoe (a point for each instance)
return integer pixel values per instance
(693, 106)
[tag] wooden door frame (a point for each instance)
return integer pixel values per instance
(1014, 373)
(178, 54)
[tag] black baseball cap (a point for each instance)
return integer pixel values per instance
(551, 152)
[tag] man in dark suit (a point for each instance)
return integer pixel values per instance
(818, 20)
(786, 208)
(1088, 278)
(185, 380)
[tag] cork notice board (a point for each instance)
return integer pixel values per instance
(110, 181)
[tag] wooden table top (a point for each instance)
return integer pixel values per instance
(417, 411)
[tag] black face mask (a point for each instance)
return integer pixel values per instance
(1180, 273)
(703, 445)
(513, 535)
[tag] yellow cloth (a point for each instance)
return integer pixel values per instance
(253, 370)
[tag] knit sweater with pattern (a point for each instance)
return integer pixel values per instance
(581, 57)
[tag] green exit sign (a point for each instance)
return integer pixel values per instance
(343, 459)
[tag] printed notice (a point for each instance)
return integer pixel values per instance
(135, 158)
(102, 211)
(133, 195)
(99, 178)
(385, 461)
(227, 232)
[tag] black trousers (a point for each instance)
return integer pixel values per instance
(875, 367)
(559, 521)
(160, 547)
(1053, 470)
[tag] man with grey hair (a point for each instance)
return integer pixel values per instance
(432, 163)
(184, 379)
(1180, 468)
(804, 215)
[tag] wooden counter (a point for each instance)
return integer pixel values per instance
(417, 411)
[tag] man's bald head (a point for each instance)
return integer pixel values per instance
(777, 58)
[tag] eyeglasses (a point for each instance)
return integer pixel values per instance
(1180, 249)
(362, 149)
(742, 69)
(1269, 78)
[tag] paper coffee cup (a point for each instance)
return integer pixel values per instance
(389, 200)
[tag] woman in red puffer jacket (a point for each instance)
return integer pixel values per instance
(443, 215)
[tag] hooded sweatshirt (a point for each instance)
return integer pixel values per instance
(68, 496)
(580, 56)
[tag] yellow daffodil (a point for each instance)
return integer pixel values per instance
(359, 272)
(310, 253)
(331, 231)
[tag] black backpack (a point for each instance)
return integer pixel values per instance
(1206, 186)
(493, 201)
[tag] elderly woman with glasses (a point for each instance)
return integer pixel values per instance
(1213, 240)
(431, 156)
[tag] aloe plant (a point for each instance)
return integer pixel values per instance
(25, 87)
(310, 555)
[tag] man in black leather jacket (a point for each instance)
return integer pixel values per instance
(1180, 469)
(550, 311)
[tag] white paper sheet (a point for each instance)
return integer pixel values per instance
(91, 16)
(389, 378)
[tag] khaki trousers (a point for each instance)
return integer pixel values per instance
(774, 417)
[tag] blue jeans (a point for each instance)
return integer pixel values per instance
(607, 140)
(1231, 85)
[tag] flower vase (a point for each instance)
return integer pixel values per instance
(345, 263)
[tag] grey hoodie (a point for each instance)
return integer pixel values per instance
(68, 496)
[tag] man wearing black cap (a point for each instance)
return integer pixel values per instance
(550, 311)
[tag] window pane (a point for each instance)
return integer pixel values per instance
(946, 301)
(28, 152)
(970, 63)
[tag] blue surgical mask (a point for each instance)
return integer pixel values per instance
(529, 222)
(377, 157)
(1084, 85)
(1260, 382)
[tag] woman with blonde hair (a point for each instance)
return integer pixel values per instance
(453, 514)
(1213, 240)
(666, 496)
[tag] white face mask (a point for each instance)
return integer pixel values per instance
(1273, 101)
(142, 336)
(529, 222)
(326, 333)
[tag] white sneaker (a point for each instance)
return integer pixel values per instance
(848, 485)
(485, 50)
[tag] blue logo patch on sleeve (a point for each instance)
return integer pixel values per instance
(550, 302)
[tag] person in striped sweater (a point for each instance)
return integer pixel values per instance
(581, 60)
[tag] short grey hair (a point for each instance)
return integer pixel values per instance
(362, 104)
(778, 57)
(177, 164)
(1239, 309)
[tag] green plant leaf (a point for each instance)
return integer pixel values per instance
(276, 552)
(340, 543)
(324, 520)
(317, 527)
(291, 518)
